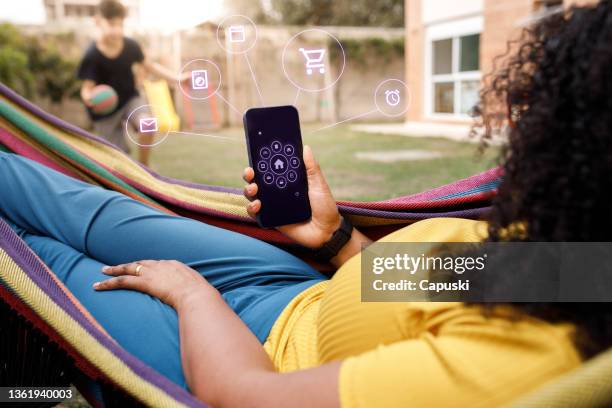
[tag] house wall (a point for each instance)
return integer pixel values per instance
(425, 18)
(567, 3)
(415, 38)
(501, 20)
(438, 10)
(352, 95)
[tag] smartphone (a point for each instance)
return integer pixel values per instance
(274, 145)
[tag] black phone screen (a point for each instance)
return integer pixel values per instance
(274, 144)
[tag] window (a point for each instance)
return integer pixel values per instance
(444, 97)
(455, 74)
(443, 56)
(469, 96)
(469, 47)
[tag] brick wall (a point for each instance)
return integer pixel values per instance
(579, 2)
(414, 54)
(502, 22)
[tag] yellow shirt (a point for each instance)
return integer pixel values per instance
(414, 354)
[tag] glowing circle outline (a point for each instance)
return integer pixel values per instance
(408, 94)
(306, 89)
(193, 97)
(221, 25)
(127, 132)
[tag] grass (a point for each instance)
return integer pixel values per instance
(221, 162)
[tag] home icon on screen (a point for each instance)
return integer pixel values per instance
(278, 164)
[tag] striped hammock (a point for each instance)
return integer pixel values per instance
(49, 338)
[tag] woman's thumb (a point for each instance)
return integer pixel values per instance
(313, 171)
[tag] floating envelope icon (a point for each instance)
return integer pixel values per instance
(148, 125)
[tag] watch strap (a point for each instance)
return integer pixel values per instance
(340, 237)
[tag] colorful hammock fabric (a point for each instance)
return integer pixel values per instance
(47, 338)
(92, 358)
(29, 131)
(37, 309)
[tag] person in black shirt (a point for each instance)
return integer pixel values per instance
(113, 59)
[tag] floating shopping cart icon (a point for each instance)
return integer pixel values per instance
(314, 60)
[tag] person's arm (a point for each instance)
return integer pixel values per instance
(224, 363)
(158, 70)
(143, 65)
(351, 248)
(226, 366)
(325, 218)
(86, 90)
(87, 72)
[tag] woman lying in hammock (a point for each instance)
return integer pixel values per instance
(201, 315)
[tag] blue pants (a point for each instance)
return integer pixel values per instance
(76, 228)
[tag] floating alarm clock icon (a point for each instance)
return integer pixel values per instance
(392, 96)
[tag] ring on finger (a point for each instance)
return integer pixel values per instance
(138, 268)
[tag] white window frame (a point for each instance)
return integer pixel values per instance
(449, 30)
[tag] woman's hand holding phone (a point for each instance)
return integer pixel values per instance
(325, 219)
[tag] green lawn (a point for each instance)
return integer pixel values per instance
(220, 162)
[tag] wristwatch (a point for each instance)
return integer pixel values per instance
(331, 248)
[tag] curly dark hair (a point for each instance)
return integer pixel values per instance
(553, 95)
